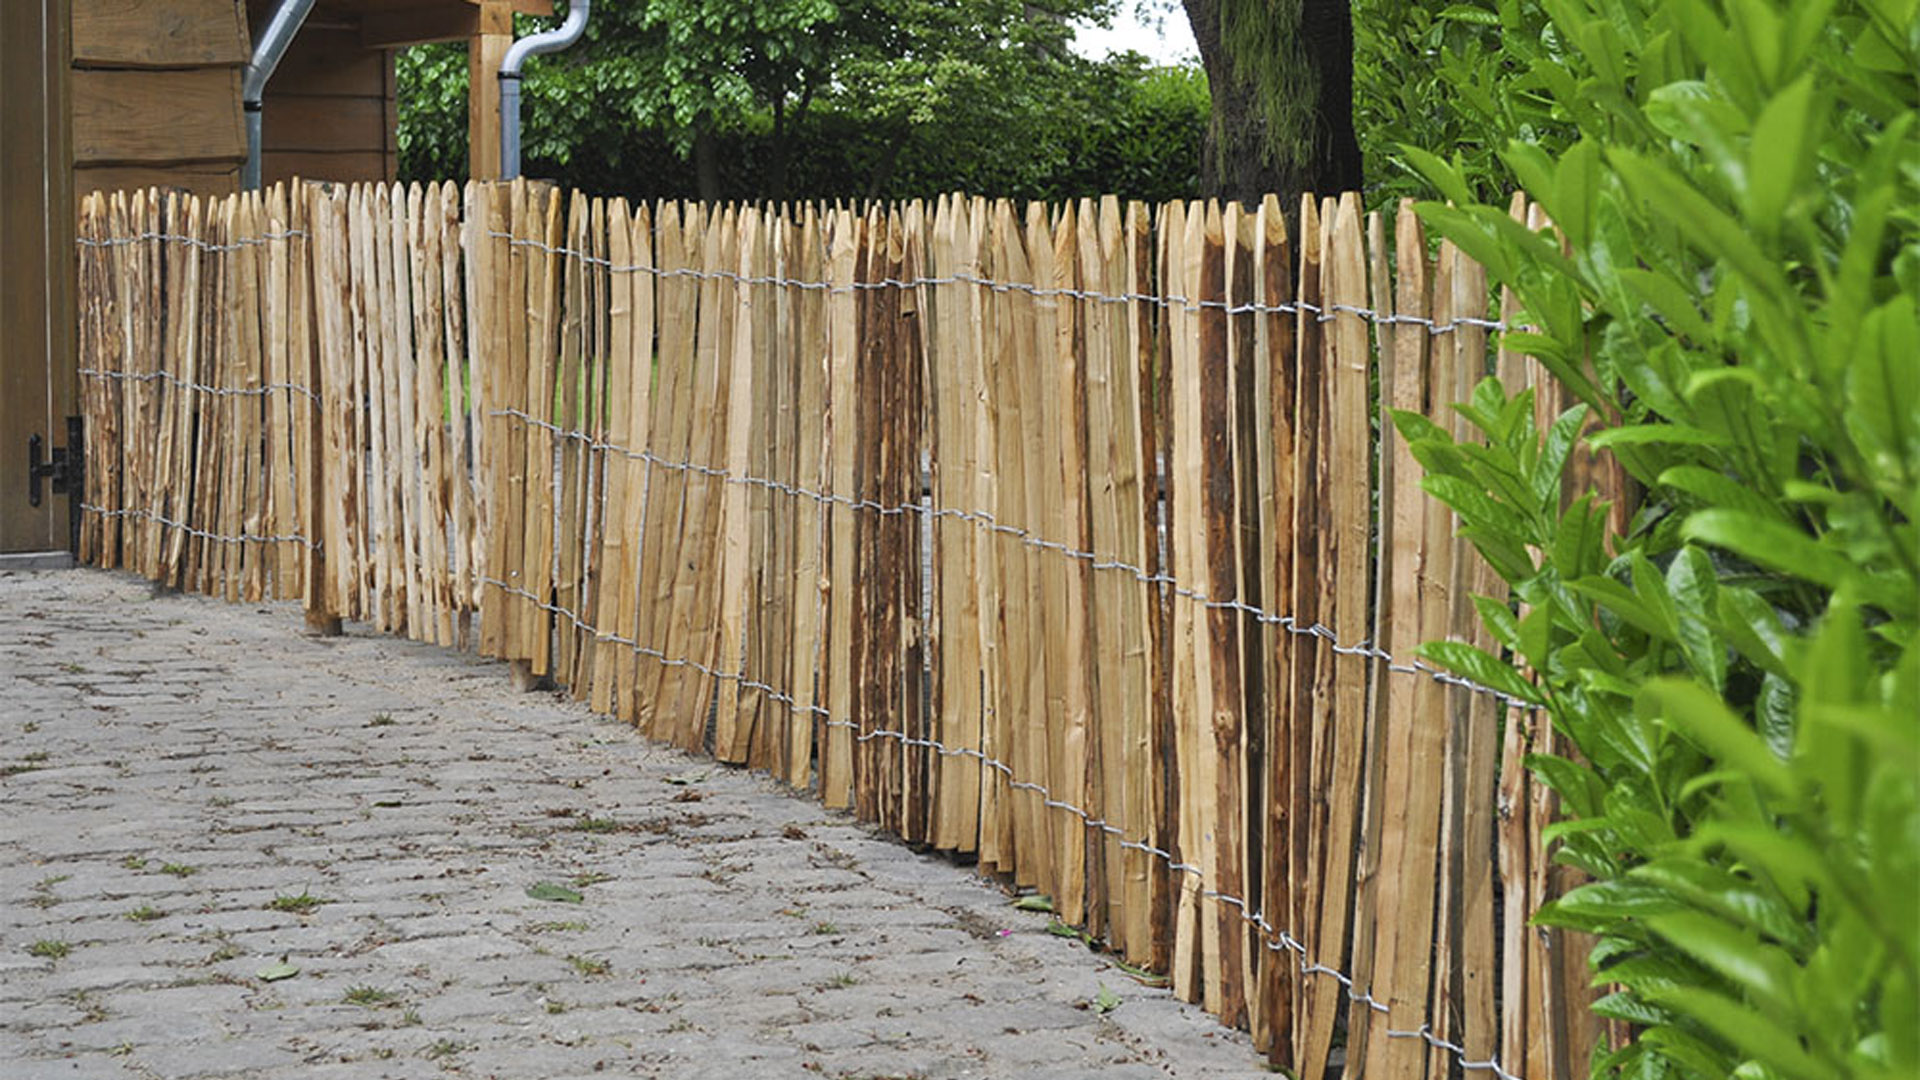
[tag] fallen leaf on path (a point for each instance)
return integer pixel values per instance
(276, 972)
(553, 890)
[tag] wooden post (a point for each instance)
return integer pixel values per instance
(485, 51)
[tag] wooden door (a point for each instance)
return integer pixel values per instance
(36, 262)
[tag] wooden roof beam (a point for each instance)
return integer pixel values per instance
(441, 20)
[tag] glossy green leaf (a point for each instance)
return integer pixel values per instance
(1700, 715)
(1771, 544)
(1779, 162)
(1488, 671)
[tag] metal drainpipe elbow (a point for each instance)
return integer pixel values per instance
(560, 37)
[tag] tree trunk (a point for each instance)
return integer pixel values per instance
(784, 127)
(1249, 152)
(706, 159)
(883, 169)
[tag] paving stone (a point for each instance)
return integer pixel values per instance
(221, 737)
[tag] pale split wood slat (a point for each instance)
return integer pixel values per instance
(283, 517)
(458, 278)
(1103, 341)
(747, 389)
(666, 488)
(620, 543)
(842, 433)
(572, 407)
(593, 521)
(639, 358)
(812, 464)
(546, 219)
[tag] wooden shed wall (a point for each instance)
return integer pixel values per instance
(329, 112)
(156, 94)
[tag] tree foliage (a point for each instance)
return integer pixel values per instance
(1461, 80)
(1737, 187)
(730, 98)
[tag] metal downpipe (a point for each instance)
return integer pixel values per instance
(286, 22)
(560, 37)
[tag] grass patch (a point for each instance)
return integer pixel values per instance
(301, 903)
(382, 720)
(590, 965)
(179, 869)
(134, 862)
(145, 913)
(367, 995)
(49, 949)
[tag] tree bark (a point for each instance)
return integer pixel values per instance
(706, 159)
(1244, 157)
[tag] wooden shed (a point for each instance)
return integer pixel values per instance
(105, 94)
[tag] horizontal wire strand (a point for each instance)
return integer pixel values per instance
(1326, 313)
(987, 521)
(1276, 940)
(1321, 313)
(218, 538)
(171, 379)
(189, 241)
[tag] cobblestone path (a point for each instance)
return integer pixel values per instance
(195, 793)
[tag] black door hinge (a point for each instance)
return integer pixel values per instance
(65, 467)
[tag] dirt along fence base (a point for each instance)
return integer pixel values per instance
(1068, 538)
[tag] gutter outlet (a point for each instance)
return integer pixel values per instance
(561, 37)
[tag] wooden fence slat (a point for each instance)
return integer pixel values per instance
(1022, 661)
(746, 414)
(811, 470)
(1221, 742)
(667, 486)
(374, 400)
(620, 537)
(770, 624)
(572, 407)
(547, 220)
(996, 835)
(261, 503)
(697, 613)
(592, 481)
(1107, 625)
(332, 475)
(640, 474)
(205, 412)
(836, 767)
(905, 263)
(1196, 948)
(281, 518)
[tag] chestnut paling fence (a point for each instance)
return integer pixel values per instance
(1070, 538)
